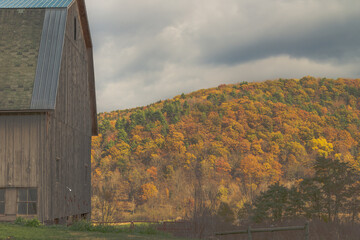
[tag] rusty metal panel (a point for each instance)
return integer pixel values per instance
(49, 60)
(35, 3)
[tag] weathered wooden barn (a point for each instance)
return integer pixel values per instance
(47, 110)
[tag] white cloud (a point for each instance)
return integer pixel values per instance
(147, 50)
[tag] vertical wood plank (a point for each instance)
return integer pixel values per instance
(9, 146)
(34, 150)
(3, 175)
(10, 199)
(17, 155)
(27, 124)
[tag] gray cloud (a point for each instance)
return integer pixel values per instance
(331, 41)
(147, 50)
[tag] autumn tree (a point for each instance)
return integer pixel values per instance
(245, 137)
(108, 191)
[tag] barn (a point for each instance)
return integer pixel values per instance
(47, 110)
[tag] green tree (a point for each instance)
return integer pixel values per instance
(271, 204)
(137, 118)
(120, 124)
(335, 179)
(104, 126)
(172, 110)
(122, 135)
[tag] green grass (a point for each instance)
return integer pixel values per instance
(16, 231)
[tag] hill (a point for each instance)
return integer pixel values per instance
(218, 149)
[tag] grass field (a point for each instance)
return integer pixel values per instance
(14, 231)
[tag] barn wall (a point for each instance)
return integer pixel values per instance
(22, 138)
(69, 143)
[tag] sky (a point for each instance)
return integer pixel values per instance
(151, 50)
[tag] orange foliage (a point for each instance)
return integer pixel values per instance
(248, 134)
(148, 191)
(152, 172)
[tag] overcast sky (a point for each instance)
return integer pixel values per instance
(150, 50)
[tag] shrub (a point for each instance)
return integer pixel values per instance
(81, 226)
(146, 229)
(88, 226)
(33, 223)
(20, 221)
(28, 222)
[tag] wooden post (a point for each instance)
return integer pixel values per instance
(307, 233)
(249, 233)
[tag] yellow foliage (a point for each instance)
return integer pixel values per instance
(167, 193)
(159, 140)
(256, 147)
(96, 141)
(189, 160)
(297, 149)
(148, 191)
(322, 147)
(219, 149)
(222, 194)
(120, 150)
(137, 139)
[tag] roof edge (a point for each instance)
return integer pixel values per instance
(31, 4)
(27, 111)
(85, 23)
(91, 79)
(88, 43)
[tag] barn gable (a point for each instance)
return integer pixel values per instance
(31, 47)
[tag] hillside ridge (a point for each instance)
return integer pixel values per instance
(233, 141)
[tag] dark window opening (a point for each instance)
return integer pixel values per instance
(27, 201)
(75, 28)
(2, 201)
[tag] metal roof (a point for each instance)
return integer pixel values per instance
(49, 61)
(31, 44)
(35, 3)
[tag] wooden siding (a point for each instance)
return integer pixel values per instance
(22, 140)
(69, 132)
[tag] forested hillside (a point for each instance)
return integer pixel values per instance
(218, 149)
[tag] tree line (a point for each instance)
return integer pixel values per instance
(221, 149)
